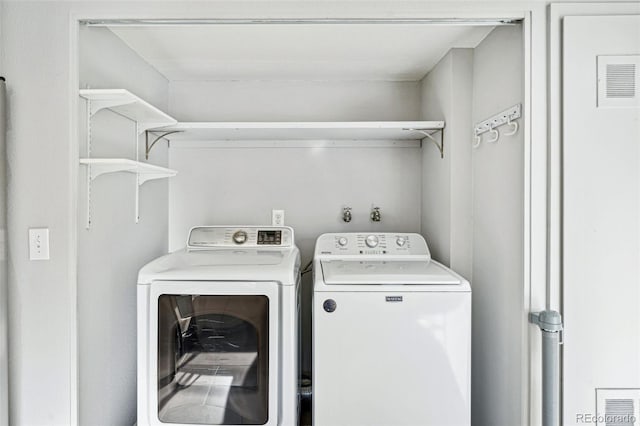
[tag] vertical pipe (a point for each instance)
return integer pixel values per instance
(4, 317)
(550, 323)
(550, 378)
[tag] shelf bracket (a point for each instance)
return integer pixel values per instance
(97, 105)
(148, 146)
(427, 135)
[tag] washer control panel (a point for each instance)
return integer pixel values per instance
(204, 237)
(374, 243)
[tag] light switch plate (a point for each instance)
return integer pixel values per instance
(39, 244)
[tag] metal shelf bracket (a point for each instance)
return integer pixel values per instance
(148, 146)
(429, 135)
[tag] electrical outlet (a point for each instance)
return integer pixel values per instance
(277, 217)
(39, 244)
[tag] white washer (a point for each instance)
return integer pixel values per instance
(391, 334)
(218, 330)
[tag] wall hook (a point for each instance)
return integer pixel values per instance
(508, 116)
(375, 215)
(478, 141)
(495, 133)
(346, 214)
(514, 126)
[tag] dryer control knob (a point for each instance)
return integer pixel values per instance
(240, 237)
(342, 241)
(371, 240)
(401, 241)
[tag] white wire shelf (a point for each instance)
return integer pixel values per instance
(145, 171)
(128, 105)
(300, 131)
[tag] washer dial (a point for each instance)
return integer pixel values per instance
(342, 241)
(401, 241)
(240, 237)
(371, 241)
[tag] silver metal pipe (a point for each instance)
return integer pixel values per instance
(4, 334)
(550, 378)
(550, 323)
(299, 21)
(306, 392)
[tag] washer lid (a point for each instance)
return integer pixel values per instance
(399, 272)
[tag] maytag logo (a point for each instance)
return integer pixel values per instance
(393, 298)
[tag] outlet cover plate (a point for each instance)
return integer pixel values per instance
(39, 244)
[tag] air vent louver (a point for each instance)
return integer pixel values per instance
(617, 407)
(619, 412)
(619, 81)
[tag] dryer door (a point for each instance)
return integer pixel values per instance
(214, 353)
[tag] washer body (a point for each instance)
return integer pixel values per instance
(391, 334)
(218, 330)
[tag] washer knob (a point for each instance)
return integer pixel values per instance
(329, 305)
(240, 237)
(371, 241)
(401, 241)
(343, 241)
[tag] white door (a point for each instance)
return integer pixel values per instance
(391, 359)
(601, 219)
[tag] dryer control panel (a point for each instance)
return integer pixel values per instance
(205, 237)
(383, 244)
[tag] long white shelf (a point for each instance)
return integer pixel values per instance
(128, 105)
(282, 131)
(145, 171)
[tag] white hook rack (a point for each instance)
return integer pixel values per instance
(491, 124)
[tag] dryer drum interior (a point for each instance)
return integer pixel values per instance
(213, 359)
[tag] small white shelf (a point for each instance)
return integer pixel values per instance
(282, 131)
(145, 171)
(128, 105)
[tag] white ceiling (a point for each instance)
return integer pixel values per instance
(389, 52)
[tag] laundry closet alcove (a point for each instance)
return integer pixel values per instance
(309, 118)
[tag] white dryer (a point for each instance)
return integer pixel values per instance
(217, 330)
(391, 334)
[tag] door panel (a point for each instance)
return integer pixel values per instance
(380, 361)
(214, 357)
(601, 216)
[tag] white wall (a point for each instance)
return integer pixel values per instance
(498, 236)
(111, 252)
(294, 100)
(41, 301)
(217, 186)
(446, 182)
